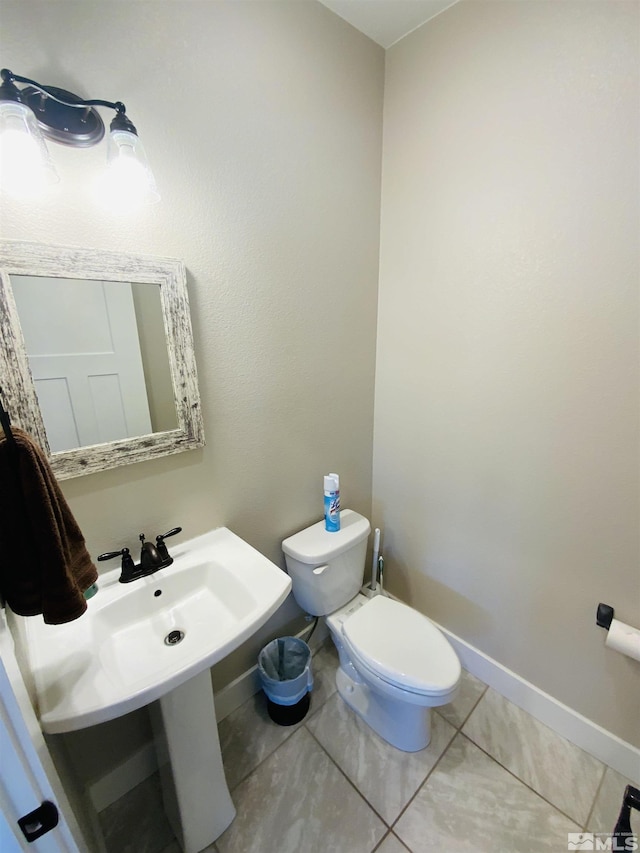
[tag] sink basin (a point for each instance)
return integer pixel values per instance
(140, 640)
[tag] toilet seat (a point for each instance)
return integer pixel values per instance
(402, 647)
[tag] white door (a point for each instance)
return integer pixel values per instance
(23, 784)
(85, 360)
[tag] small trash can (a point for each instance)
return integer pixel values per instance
(284, 666)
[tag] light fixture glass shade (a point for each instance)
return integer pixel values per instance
(128, 182)
(26, 168)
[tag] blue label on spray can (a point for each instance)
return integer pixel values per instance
(332, 511)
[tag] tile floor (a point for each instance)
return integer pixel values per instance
(493, 779)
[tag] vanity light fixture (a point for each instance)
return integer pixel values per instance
(29, 115)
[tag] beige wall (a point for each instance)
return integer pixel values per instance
(506, 418)
(263, 124)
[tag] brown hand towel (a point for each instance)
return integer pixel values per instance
(44, 564)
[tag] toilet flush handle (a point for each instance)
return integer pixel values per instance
(320, 569)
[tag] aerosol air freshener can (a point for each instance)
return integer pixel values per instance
(332, 503)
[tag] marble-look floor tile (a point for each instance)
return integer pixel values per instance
(248, 736)
(136, 823)
(558, 770)
(609, 802)
(391, 844)
(387, 777)
(298, 801)
(471, 689)
(470, 803)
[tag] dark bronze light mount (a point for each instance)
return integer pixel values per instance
(31, 114)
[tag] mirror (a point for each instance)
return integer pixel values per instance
(97, 355)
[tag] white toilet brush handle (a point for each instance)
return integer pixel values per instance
(376, 551)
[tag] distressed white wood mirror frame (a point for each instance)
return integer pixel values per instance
(19, 392)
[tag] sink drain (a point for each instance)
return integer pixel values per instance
(173, 637)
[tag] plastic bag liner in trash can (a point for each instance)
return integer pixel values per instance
(285, 673)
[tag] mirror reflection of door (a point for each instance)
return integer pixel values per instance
(84, 353)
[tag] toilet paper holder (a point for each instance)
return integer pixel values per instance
(604, 616)
(620, 637)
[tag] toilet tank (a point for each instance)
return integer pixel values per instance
(326, 569)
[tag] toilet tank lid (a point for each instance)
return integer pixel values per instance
(315, 545)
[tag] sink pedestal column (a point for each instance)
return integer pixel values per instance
(194, 788)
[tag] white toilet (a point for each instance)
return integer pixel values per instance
(395, 665)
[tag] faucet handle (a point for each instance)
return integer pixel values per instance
(128, 566)
(162, 548)
(124, 553)
(172, 532)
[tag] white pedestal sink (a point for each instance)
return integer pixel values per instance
(156, 638)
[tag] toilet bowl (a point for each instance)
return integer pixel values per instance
(395, 665)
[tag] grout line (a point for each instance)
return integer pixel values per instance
(522, 782)
(262, 761)
(474, 706)
(426, 778)
(292, 731)
(382, 840)
(391, 834)
(595, 799)
(400, 841)
(353, 785)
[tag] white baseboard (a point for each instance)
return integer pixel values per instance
(143, 763)
(597, 741)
